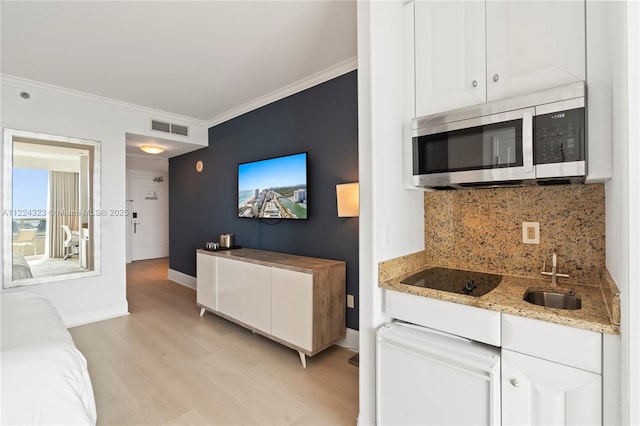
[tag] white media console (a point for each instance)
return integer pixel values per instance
(294, 300)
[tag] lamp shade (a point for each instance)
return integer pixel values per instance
(348, 199)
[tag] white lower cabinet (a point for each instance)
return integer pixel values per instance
(229, 291)
(292, 307)
(551, 373)
(244, 290)
(206, 282)
(540, 392)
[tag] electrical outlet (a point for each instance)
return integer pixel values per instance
(531, 232)
(387, 235)
(350, 301)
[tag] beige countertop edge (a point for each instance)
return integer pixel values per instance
(507, 297)
(292, 262)
(611, 294)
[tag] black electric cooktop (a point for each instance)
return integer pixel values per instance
(455, 281)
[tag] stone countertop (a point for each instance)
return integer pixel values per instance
(270, 258)
(507, 297)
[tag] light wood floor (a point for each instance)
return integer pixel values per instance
(163, 364)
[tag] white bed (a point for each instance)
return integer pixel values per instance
(21, 269)
(44, 376)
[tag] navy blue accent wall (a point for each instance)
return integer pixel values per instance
(322, 121)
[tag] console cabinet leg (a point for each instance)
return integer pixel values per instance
(303, 359)
(202, 311)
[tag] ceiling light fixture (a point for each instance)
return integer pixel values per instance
(152, 149)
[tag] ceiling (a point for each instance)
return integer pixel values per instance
(199, 59)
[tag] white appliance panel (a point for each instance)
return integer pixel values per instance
(425, 377)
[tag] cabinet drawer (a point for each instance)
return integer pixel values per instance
(560, 343)
(466, 321)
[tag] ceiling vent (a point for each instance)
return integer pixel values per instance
(179, 130)
(161, 126)
(176, 129)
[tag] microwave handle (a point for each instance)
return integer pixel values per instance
(527, 142)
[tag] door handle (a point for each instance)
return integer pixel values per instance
(135, 227)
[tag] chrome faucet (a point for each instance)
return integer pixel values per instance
(554, 270)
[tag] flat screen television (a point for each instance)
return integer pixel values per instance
(274, 188)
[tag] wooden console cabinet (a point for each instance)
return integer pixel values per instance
(294, 300)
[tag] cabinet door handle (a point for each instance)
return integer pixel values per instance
(515, 383)
(496, 77)
(474, 83)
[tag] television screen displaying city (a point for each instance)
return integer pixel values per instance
(275, 188)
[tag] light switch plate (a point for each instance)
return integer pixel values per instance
(531, 232)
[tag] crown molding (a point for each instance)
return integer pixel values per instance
(327, 74)
(20, 82)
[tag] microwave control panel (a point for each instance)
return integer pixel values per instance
(559, 137)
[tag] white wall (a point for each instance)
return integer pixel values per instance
(61, 112)
(391, 218)
(631, 365)
(622, 200)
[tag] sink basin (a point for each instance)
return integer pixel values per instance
(553, 298)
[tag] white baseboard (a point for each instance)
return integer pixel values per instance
(182, 278)
(113, 311)
(351, 341)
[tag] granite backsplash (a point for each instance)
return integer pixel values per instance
(481, 230)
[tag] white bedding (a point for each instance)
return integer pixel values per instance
(21, 270)
(44, 376)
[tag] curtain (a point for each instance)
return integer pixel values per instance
(64, 204)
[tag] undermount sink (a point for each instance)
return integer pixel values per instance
(553, 298)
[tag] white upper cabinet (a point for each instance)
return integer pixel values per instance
(534, 45)
(449, 55)
(469, 52)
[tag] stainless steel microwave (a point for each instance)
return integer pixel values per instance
(535, 138)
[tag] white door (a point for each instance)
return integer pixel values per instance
(244, 292)
(230, 289)
(292, 307)
(256, 296)
(149, 217)
(540, 392)
(449, 55)
(206, 281)
(534, 45)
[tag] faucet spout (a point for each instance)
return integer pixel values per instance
(554, 270)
